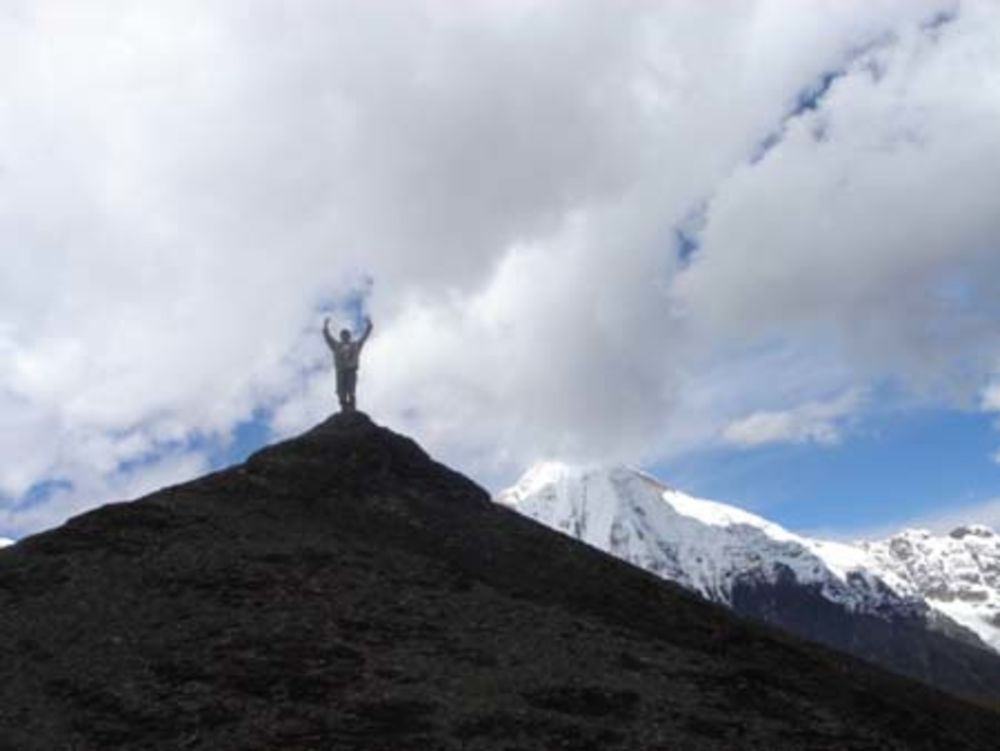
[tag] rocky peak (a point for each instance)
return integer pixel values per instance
(972, 530)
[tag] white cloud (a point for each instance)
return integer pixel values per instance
(869, 224)
(989, 400)
(813, 422)
(184, 185)
(91, 482)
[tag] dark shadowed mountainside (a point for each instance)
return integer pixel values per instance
(343, 591)
(914, 645)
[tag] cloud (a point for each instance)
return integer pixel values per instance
(185, 188)
(990, 397)
(813, 422)
(867, 222)
(64, 497)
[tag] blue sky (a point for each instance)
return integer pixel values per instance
(896, 468)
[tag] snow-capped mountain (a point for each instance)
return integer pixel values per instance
(884, 601)
(957, 574)
(705, 546)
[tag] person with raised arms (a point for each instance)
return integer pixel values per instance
(346, 358)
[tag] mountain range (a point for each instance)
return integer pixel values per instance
(922, 605)
(343, 591)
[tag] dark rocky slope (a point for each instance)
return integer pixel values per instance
(913, 644)
(343, 591)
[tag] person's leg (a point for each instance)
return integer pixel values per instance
(342, 393)
(350, 384)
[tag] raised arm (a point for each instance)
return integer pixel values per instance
(368, 330)
(330, 341)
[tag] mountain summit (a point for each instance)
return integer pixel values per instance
(342, 590)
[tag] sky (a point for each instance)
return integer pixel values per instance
(750, 245)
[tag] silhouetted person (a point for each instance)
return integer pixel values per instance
(346, 355)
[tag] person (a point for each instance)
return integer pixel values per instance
(346, 356)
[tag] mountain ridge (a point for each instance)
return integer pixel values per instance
(342, 590)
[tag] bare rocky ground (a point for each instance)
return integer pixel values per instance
(343, 591)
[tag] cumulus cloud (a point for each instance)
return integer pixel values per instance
(813, 422)
(187, 187)
(868, 220)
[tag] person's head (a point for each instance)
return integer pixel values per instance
(345, 335)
